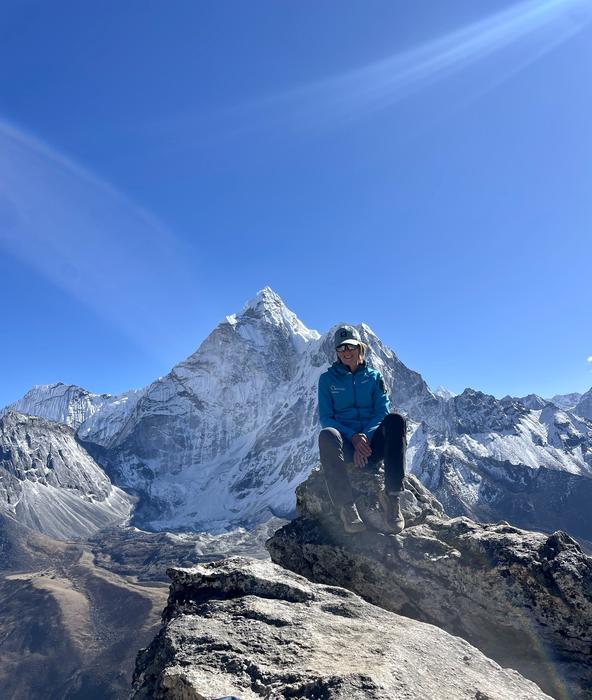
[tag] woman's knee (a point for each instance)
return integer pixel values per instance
(395, 421)
(329, 436)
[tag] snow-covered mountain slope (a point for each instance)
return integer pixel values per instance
(104, 425)
(532, 401)
(566, 401)
(49, 482)
(584, 406)
(499, 460)
(580, 404)
(223, 439)
(103, 415)
(59, 402)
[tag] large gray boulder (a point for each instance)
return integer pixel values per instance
(523, 598)
(247, 629)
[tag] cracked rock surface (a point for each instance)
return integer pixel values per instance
(523, 598)
(248, 629)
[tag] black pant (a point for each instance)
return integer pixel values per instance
(388, 443)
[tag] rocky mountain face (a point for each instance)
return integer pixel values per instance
(532, 401)
(219, 440)
(500, 460)
(68, 404)
(103, 415)
(523, 598)
(224, 438)
(248, 629)
(50, 483)
(566, 401)
(579, 404)
(444, 393)
(584, 406)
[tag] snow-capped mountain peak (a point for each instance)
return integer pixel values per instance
(444, 393)
(532, 401)
(268, 307)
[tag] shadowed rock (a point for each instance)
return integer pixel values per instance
(248, 629)
(523, 598)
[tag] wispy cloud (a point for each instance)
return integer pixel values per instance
(89, 240)
(590, 359)
(535, 26)
(546, 23)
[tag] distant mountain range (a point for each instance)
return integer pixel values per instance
(224, 438)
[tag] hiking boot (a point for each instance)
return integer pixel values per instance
(350, 518)
(391, 507)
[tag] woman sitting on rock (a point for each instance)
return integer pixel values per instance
(358, 429)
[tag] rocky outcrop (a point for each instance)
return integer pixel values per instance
(523, 598)
(248, 630)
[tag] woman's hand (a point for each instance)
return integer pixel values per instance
(362, 449)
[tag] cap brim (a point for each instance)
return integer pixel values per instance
(349, 341)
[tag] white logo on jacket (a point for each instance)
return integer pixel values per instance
(335, 389)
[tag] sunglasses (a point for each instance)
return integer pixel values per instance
(345, 348)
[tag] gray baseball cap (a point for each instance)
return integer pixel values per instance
(346, 334)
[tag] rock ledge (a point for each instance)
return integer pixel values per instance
(248, 629)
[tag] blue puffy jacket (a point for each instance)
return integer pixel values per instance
(352, 402)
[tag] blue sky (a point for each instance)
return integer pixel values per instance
(422, 167)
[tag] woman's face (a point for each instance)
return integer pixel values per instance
(349, 355)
